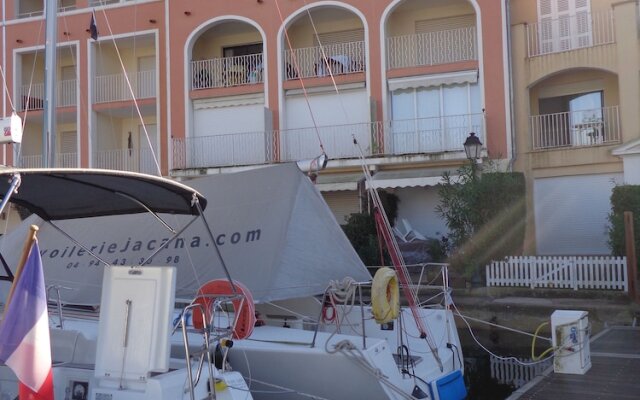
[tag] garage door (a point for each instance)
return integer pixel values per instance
(343, 204)
(571, 214)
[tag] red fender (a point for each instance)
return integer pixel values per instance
(245, 313)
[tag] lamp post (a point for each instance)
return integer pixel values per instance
(472, 147)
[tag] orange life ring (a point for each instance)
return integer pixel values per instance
(245, 312)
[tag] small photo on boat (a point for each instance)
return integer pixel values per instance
(80, 390)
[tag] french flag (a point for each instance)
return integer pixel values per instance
(24, 331)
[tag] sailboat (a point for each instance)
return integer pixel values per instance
(315, 334)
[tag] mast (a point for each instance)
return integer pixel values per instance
(49, 123)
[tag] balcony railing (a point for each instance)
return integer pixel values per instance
(39, 13)
(337, 140)
(223, 150)
(575, 129)
(419, 136)
(342, 58)
(134, 160)
(569, 33)
(34, 100)
(433, 135)
(432, 48)
(63, 160)
(227, 71)
(114, 87)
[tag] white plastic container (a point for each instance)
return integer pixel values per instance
(570, 334)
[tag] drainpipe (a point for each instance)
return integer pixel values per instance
(507, 13)
(4, 68)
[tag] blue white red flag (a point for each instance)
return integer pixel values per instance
(24, 331)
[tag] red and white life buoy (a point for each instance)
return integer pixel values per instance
(245, 312)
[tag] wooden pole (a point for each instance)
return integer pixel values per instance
(630, 245)
(31, 237)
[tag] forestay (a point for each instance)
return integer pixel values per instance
(272, 227)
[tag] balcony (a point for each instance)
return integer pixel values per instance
(570, 33)
(31, 8)
(433, 135)
(63, 160)
(34, 99)
(576, 129)
(134, 160)
(226, 72)
(109, 88)
(432, 48)
(341, 58)
(419, 136)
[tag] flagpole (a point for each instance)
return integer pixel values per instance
(33, 230)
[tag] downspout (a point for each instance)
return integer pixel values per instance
(4, 68)
(512, 129)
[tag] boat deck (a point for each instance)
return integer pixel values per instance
(615, 362)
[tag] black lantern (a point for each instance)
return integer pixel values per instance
(472, 147)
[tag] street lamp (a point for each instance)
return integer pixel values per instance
(472, 147)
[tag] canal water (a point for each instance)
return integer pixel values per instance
(492, 378)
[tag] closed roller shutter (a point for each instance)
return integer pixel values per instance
(355, 35)
(445, 24)
(343, 204)
(571, 214)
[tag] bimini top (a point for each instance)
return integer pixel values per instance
(69, 193)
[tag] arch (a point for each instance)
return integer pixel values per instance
(383, 49)
(561, 71)
(292, 18)
(188, 51)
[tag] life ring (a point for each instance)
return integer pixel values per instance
(385, 296)
(245, 312)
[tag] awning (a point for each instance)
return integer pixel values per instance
(450, 78)
(338, 182)
(408, 178)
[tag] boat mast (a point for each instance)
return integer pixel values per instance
(49, 125)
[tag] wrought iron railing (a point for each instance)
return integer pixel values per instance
(310, 62)
(578, 128)
(135, 160)
(227, 71)
(417, 136)
(569, 33)
(114, 87)
(33, 99)
(432, 48)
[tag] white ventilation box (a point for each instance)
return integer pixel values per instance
(570, 334)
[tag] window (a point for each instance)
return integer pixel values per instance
(575, 119)
(242, 64)
(436, 118)
(564, 25)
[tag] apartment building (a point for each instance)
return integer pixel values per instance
(576, 95)
(215, 86)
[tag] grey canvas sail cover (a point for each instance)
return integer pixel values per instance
(273, 229)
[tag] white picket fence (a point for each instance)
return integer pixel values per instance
(511, 372)
(574, 272)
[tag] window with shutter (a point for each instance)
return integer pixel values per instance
(564, 25)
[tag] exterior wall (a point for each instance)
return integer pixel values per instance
(611, 67)
(178, 32)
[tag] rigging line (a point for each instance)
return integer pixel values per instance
(401, 268)
(131, 92)
(326, 63)
(296, 66)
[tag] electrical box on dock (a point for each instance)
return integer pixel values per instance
(570, 334)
